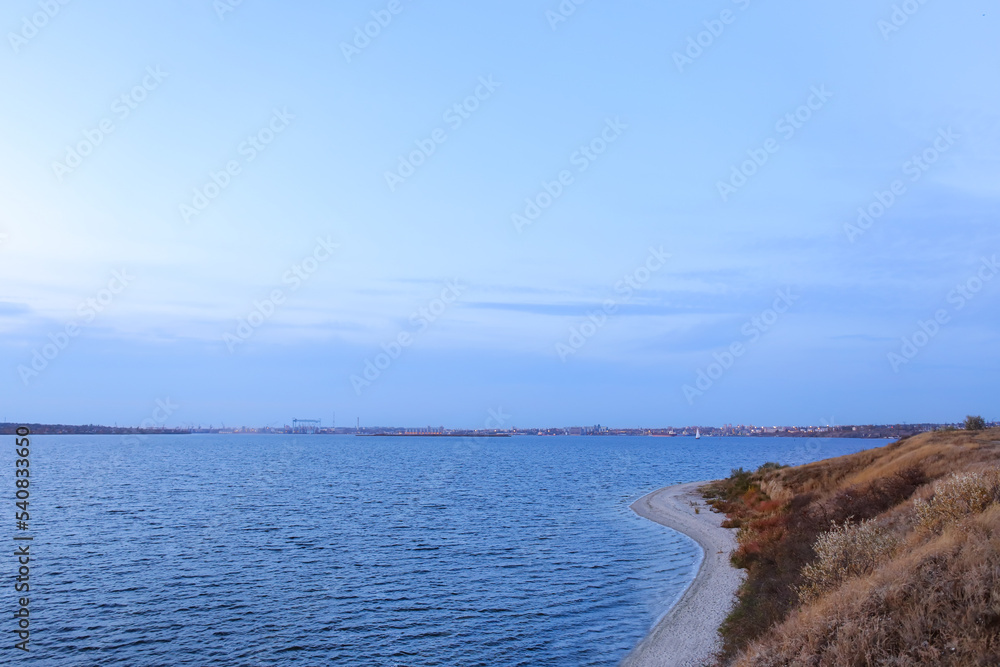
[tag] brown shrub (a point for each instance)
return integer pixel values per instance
(864, 501)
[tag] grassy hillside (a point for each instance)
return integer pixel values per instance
(885, 557)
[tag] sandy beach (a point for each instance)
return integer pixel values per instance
(686, 636)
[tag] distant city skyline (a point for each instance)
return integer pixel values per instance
(707, 430)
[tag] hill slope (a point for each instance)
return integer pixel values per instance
(889, 556)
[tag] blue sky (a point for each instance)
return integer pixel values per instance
(685, 195)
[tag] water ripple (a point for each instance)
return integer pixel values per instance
(283, 550)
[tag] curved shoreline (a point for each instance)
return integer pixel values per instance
(687, 635)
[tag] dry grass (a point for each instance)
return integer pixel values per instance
(848, 550)
(955, 497)
(894, 554)
(937, 454)
(936, 605)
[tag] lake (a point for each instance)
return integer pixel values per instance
(315, 550)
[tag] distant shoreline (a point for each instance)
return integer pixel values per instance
(10, 428)
(431, 435)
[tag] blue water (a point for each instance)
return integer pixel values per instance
(316, 550)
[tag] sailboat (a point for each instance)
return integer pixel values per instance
(697, 434)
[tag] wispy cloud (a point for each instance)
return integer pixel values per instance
(11, 309)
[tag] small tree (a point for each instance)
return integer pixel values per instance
(974, 423)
